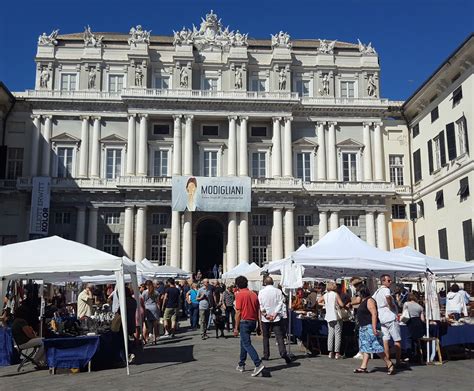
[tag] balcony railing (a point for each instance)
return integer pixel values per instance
(350, 187)
(344, 101)
(277, 183)
(81, 95)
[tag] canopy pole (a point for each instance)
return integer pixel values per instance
(427, 319)
(289, 324)
(42, 305)
(123, 312)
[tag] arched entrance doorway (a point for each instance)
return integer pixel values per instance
(209, 246)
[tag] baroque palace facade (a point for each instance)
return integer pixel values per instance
(113, 117)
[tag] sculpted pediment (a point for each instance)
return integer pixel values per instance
(349, 143)
(113, 138)
(65, 138)
(306, 141)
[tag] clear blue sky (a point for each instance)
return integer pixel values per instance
(412, 37)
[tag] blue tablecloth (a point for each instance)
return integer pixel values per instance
(70, 352)
(6, 346)
(448, 335)
(301, 328)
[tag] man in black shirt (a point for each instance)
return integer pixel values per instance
(171, 305)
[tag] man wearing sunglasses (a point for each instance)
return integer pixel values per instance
(387, 311)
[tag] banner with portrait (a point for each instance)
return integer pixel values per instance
(211, 194)
(40, 198)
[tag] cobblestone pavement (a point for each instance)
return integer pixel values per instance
(187, 361)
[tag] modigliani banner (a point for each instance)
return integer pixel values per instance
(211, 194)
(40, 196)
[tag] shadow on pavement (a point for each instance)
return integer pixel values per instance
(160, 354)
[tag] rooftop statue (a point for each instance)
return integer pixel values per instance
(366, 49)
(281, 40)
(48, 40)
(138, 35)
(90, 39)
(326, 47)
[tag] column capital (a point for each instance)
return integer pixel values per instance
(96, 118)
(366, 123)
(332, 123)
(278, 208)
(288, 119)
(321, 123)
(177, 116)
(82, 208)
(145, 116)
(232, 118)
(129, 207)
(84, 117)
(378, 124)
(276, 119)
(189, 117)
(141, 207)
(130, 116)
(48, 116)
(35, 116)
(369, 212)
(244, 118)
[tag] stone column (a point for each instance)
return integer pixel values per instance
(321, 152)
(187, 261)
(382, 231)
(232, 241)
(276, 148)
(177, 155)
(287, 149)
(95, 152)
(188, 148)
(143, 146)
(243, 149)
(92, 231)
(323, 223)
(367, 153)
(332, 157)
(334, 220)
(289, 231)
(81, 224)
(35, 137)
(175, 259)
(232, 144)
(244, 237)
(46, 158)
(277, 234)
(140, 234)
(131, 147)
(378, 152)
(84, 151)
(128, 231)
(370, 227)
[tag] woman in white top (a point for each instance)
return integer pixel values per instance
(454, 302)
(331, 301)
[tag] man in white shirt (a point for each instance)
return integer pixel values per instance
(272, 311)
(387, 311)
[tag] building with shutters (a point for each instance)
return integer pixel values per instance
(440, 115)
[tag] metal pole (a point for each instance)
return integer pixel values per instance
(289, 324)
(427, 319)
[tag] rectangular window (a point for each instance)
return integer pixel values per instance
(457, 96)
(430, 156)
(160, 163)
(259, 220)
(468, 239)
(347, 89)
(399, 211)
(61, 218)
(112, 218)
(439, 199)
(462, 135)
(443, 243)
(65, 162)
(259, 250)
(162, 82)
(258, 85)
(417, 166)
(421, 244)
(113, 163)
(349, 167)
(115, 83)
(158, 248)
(258, 131)
(439, 151)
(68, 82)
(210, 130)
(302, 87)
(307, 240)
(161, 129)
(159, 219)
(416, 130)
(434, 114)
(451, 141)
(111, 244)
(304, 220)
(209, 84)
(303, 167)
(259, 164)
(421, 209)
(463, 191)
(396, 169)
(210, 163)
(14, 163)
(351, 221)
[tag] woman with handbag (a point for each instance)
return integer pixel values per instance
(333, 303)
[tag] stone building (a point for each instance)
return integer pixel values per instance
(113, 117)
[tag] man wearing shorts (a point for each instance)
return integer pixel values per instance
(171, 305)
(387, 310)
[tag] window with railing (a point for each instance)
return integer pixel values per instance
(259, 165)
(68, 82)
(396, 169)
(160, 163)
(112, 218)
(303, 166)
(351, 221)
(158, 248)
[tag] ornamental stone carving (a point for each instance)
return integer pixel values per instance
(138, 35)
(92, 78)
(48, 40)
(139, 76)
(238, 78)
(282, 80)
(371, 86)
(281, 40)
(90, 39)
(325, 84)
(366, 49)
(183, 78)
(44, 77)
(210, 34)
(326, 47)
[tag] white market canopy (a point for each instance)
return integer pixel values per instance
(340, 253)
(241, 269)
(440, 267)
(148, 269)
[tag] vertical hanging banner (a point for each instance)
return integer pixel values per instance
(211, 194)
(40, 198)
